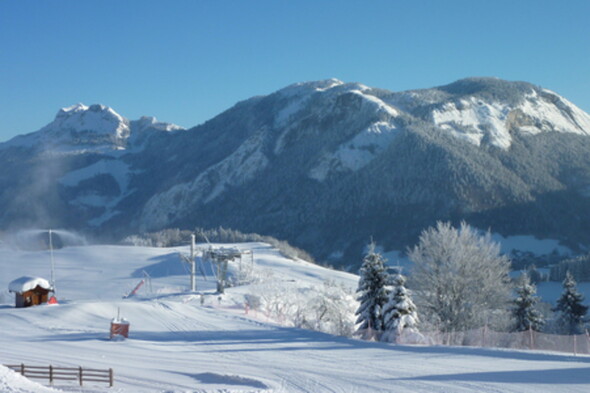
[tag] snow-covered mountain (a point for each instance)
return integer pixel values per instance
(491, 111)
(74, 165)
(325, 165)
(96, 128)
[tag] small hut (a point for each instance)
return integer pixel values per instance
(30, 291)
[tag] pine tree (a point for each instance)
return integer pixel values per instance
(399, 313)
(570, 306)
(524, 311)
(373, 294)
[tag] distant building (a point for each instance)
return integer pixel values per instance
(30, 291)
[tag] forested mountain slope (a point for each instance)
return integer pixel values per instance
(325, 165)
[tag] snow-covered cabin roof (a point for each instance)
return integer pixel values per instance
(27, 283)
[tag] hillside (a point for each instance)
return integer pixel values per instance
(324, 165)
(177, 344)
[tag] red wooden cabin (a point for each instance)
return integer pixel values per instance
(30, 291)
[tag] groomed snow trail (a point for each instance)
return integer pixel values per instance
(178, 345)
(185, 347)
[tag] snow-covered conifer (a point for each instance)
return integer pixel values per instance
(372, 295)
(525, 313)
(570, 307)
(399, 313)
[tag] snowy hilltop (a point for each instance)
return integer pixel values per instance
(249, 339)
(324, 164)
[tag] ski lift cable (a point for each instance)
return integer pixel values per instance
(148, 279)
(213, 270)
(203, 273)
(184, 260)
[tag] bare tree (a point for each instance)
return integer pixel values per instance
(461, 280)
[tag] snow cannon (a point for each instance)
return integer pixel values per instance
(119, 327)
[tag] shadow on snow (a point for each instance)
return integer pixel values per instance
(567, 376)
(223, 379)
(293, 339)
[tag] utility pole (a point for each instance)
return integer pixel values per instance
(191, 260)
(193, 265)
(52, 261)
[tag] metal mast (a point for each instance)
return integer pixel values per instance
(193, 265)
(52, 261)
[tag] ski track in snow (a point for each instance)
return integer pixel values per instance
(178, 345)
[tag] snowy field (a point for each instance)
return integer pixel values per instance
(184, 342)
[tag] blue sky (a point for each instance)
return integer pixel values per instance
(184, 61)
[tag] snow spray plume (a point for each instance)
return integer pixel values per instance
(38, 239)
(38, 204)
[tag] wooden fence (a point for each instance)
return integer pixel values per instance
(52, 373)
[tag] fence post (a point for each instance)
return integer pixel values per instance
(531, 340)
(22, 369)
(80, 374)
(575, 342)
(110, 377)
(51, 374)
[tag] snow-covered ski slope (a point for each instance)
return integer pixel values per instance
(177, 344)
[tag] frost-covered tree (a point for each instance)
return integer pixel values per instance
(399, 313)
(524, 309)
(460, 279)
(331, 310)
(570, 307)
(372, 295)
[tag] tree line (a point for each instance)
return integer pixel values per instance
(459, 281)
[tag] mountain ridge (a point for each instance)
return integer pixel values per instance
(307, 161)
(97, 127)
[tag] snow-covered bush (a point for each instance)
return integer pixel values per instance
(332, 310)
(137, 241)
(171, 237)
(252, 301)
(329, 308)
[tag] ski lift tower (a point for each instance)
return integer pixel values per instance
(191, 261)
(221, 257)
